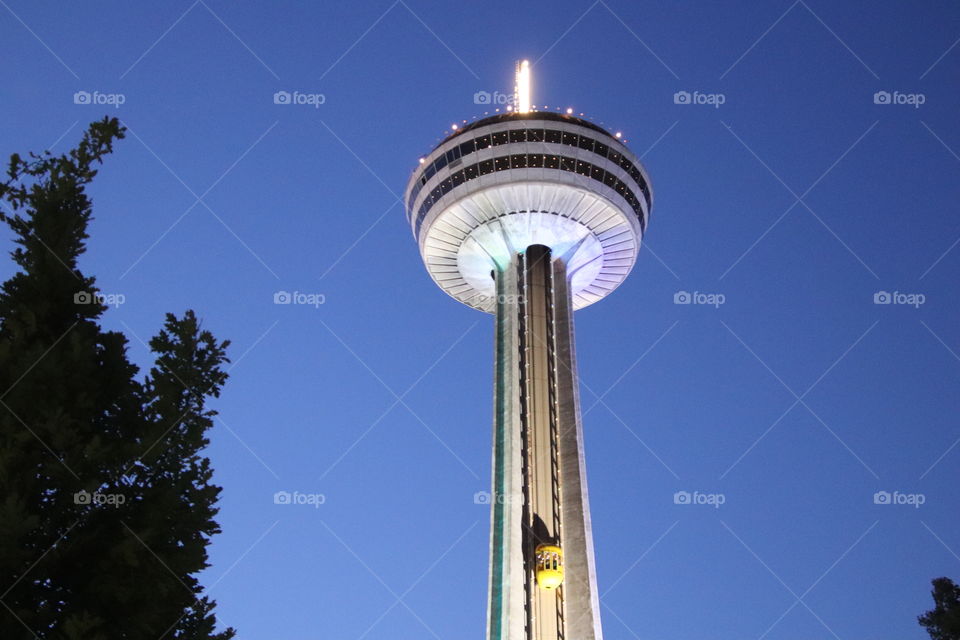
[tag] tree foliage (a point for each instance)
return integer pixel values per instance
(943, 621)
(106, 502)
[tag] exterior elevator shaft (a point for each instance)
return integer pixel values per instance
(539, 488)
(538, 422)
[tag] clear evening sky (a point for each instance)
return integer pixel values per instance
(808, 180)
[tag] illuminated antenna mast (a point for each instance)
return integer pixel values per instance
(522, 88)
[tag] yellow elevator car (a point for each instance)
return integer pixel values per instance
(549, 566)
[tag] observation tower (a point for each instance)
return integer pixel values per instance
(530, 215)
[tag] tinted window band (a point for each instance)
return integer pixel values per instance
(550, 161)
(550, 135)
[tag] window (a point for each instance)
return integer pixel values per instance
(501, 137)
(467, 148)
(586, 143)
(534, 135)
(432, 169)
(553, 137)
(570, 138)
(482, 142)
(453, 154)
(518, 135)
(614, 156)
(600, 149)
(441, 162)
(533, 160)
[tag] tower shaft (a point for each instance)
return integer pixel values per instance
(539, 485)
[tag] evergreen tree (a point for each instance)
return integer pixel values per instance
(943, 621)
(106, 505)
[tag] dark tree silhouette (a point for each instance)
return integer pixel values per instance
(106, 505)
(943, 621)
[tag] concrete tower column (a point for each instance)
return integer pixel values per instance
(507, 594)
(539, 484)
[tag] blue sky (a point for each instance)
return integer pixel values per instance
(798, 199)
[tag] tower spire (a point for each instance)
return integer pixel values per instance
(522, 87)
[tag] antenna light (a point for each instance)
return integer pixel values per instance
(523, 87)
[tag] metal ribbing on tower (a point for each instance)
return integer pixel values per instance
(538, 400)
